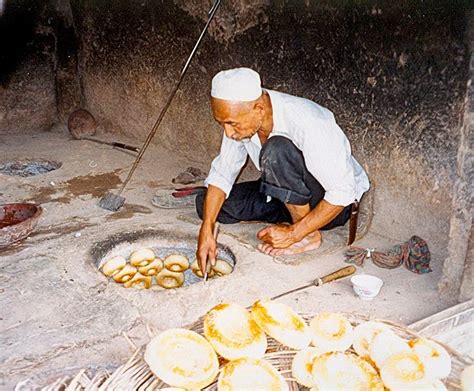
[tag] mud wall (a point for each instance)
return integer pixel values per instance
(394, 76)
(27, 60)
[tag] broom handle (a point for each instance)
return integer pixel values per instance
(152, 133)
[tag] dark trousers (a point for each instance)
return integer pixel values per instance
(285, 178)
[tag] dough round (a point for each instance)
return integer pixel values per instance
(169, 280)
(197, 271)
(467, 378)
(404, 371)
(250, 374)
(435, 358)
(331, 332)
(141, 257)
(386, 344)
(114, 265)
(233, 332)
(282, 323)
(365, 333)
(302, 366)
(344, 371)
(176, 263)
(182, 358)
(138, 281)
(222, 268)
(152, 268)
(125, 274)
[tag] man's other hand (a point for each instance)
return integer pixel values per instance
(278, 236)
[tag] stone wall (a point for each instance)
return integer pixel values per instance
(458, 267)
(27, 61)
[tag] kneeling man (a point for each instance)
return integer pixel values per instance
(309, 177)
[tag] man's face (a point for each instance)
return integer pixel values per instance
(240, 120)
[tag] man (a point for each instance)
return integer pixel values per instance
(309, 178)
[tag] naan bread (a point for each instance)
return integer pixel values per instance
(404, 371)
(169, 280)
(339, 371)
(302, 366)
(182, 358)
(141, 257)
(114, 265)
(386, 344)
(435, 358)
(233, 332)
(331, 332)
(176, 263)
(282, 323)
(250, 374)
(364, 334)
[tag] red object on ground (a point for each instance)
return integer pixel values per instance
(17, 221)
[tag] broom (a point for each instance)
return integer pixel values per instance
(114, 202)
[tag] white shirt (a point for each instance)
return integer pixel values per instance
(314, 131)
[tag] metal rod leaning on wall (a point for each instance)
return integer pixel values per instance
(115, 202)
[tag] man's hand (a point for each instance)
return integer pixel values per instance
(278, 236)
(207, 247)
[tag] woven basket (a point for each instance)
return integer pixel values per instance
(135, 374)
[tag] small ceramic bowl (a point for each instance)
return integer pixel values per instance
(366, 286)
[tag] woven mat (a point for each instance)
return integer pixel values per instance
(135, 374)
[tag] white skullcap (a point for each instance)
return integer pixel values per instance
(238, 85)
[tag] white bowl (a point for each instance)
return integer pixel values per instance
(366, 286)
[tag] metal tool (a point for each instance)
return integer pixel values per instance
(215, 233)
(338, 274)
(114, 202)
(82, 126)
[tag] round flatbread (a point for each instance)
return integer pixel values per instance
(250, 374)
(169, 280)
(339, 371)
(176, 263)
(386, 344)
(331, 332)
(182, 358)
(365, 333)
(141, 257)
(197, 271)
(436, 359)
(125, 274)
(282, 323)
(302, 366)
(114, 265)
(138, 281)
(233, 332)
(152, 269)
(222, 268)
(404, 371)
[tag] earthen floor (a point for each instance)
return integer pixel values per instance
(58, 313)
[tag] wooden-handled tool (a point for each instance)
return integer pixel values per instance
(338, 274)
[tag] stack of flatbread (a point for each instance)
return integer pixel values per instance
(330, 353)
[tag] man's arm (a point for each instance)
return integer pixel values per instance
(207, 246)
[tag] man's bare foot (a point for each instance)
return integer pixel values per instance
(310, 242)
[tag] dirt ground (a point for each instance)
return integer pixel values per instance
(58, 313)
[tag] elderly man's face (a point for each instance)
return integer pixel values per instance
(240, 120)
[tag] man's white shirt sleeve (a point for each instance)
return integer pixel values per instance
(227, 165)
